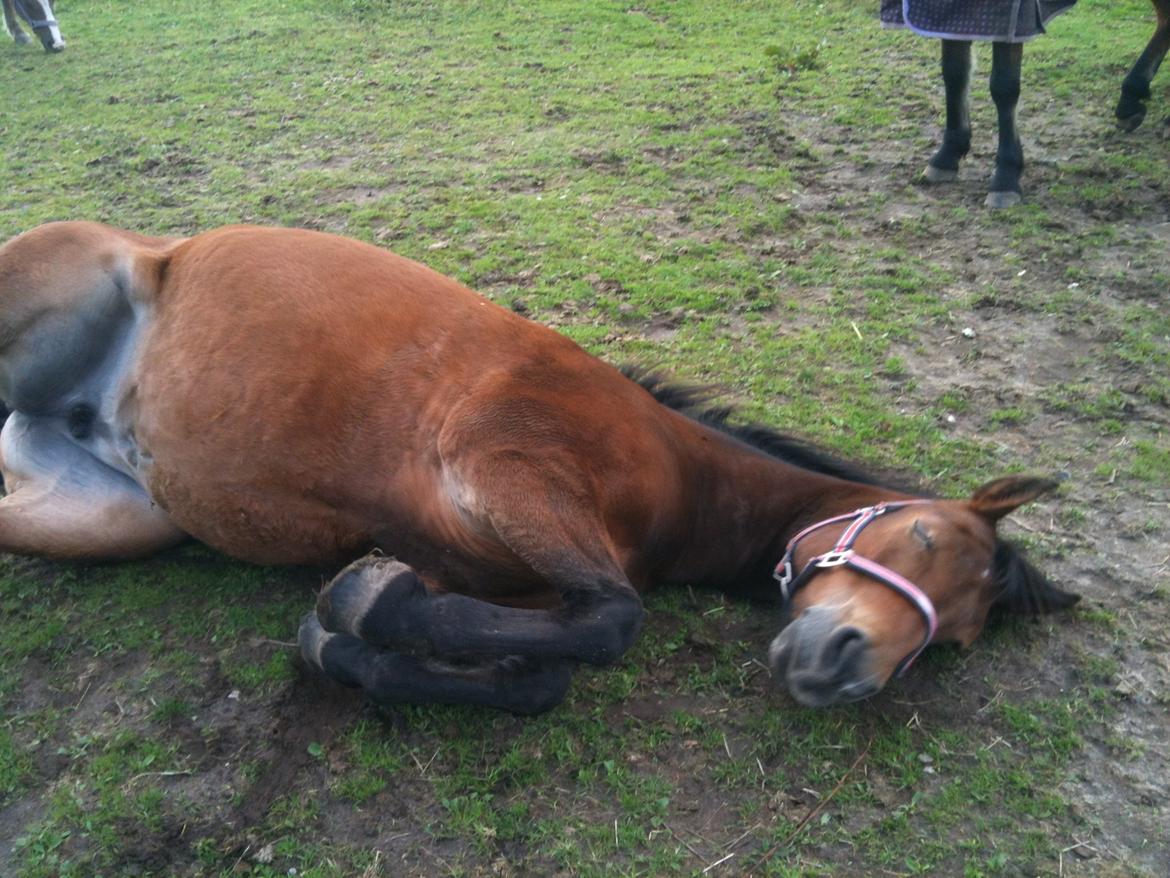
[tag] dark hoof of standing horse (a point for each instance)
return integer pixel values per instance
(939, 175)
(1000, 200)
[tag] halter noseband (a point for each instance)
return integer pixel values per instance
(842, 554)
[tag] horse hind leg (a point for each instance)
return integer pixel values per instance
(1135, 88)
(943, 166)
(65, 503)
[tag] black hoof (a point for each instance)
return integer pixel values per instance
(1131, 122)
(1001, 200)
(372, 599)
(319, 649)
(939, 175)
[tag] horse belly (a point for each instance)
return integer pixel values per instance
(258, 446)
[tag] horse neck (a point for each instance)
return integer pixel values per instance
(744, 507)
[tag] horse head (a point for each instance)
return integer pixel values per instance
(867, 591)
(40, 17)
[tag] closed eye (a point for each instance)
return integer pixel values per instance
(919, 531)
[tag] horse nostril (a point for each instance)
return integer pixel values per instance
(843, 647)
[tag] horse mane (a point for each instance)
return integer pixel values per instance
(702, 403)
(1021, 587)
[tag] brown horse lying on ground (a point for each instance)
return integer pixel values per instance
(287, 396)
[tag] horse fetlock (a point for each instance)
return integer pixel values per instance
(377, 599)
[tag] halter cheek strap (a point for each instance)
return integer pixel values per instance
(842, 555)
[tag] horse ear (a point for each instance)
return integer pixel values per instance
(997, 498)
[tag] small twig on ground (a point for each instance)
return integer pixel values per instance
(257, 641)
(241, 859)
(717, 862)
(158, 774)
(733, 845)
(83, 694)
(372, 870)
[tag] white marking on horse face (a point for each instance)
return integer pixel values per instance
(54, 31)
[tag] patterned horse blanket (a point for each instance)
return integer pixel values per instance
(1004, 21)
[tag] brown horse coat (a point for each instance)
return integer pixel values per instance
(287, 396)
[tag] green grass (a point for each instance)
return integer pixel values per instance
(723, 190)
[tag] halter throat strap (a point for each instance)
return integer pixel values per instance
(843, 555)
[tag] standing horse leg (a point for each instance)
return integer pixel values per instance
(1006, 60)
(1135, 88)
(956, 71)
(12, 25)
(65, 503)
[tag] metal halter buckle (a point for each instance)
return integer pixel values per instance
(834, 558)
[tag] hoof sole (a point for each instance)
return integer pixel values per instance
(345, 603)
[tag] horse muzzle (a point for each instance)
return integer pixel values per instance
(823, 662)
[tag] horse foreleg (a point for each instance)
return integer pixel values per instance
(511, 683)
(1135, 88)
(384, 602)
(956, 71)
(64, 503)
(12, 25)
(1006, 61)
